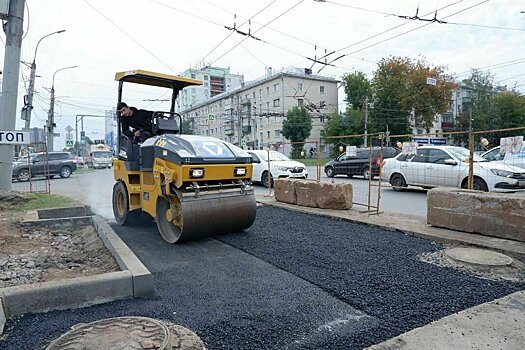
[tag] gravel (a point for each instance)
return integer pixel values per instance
(292, 281)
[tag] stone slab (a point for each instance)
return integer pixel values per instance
(284, 191)
(499, 324)
(63, 212)
(323, 195)
(59, 222)
(143, 282)
(66, 294)
(492, 214)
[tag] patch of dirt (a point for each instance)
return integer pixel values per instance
(512, 273)
(30, 254)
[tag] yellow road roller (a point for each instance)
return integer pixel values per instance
(193, 186)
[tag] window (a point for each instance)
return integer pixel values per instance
(260, 94)
(321, 89)
(268, 105)
(253, 95)
(277, 133)
(437, 156)
(255, 158)
(321, 132)
(300, 86)
(300, 102)
(206, 84)
(193, 75)
(261, 136)
(268, 134)
(205, 77)
(276, 87)
(421, 156)
(267, 90)
(276, 102)
(322, 118)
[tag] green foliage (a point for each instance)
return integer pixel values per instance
(297, 127)
(481, 93)
(357, 88)
(40, 201)
(348, 123)
(187, 127)
(400, 90)
(510, 109)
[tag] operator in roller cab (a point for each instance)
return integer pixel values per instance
(136, 123)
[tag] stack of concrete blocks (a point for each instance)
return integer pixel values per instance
(499, 215)
(313, 194)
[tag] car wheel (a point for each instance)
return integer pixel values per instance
(24, 175)
(398, 183)
(367, 174)
(266, 179)
(329, 171)
(65, 172)
(478, 185)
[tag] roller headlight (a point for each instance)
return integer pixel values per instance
(196, 173)
(280, 168)
(503, 173)
(239, 172)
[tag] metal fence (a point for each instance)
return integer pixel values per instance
(29, 176)
(489, 160)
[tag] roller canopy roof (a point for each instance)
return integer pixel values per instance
(156, 79)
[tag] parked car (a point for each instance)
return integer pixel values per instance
(434, 166)
(280, 167)
(51, 164)
(360, 163)
(517, 159)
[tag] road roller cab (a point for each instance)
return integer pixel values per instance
(193, 186)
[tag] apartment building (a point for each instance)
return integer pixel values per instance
(215, 81)
(251, 116)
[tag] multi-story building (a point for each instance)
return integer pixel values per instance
(252, 115)
(214, 82)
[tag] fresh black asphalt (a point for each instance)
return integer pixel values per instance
(292, 281)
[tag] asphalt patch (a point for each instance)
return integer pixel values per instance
(292, 281)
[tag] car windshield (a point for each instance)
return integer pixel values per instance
(102, 154)
(463, 154)
(274, 156)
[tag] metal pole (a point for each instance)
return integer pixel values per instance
(51, 116)
(471, 153)
(32, 82)
(11, 73)
(366, 122)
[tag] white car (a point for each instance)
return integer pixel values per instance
(515, 160)
(280, 167)
(435, 166)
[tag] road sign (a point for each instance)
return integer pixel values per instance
(69, 143)
(211, 117)
(14, 138)
(243, 142)
(431, 81)
(69, 128)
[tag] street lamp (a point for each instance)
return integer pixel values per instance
(32, 82)
(51, 117)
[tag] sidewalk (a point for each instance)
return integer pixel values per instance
(499, 324)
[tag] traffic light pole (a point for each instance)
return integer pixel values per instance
(11, 73)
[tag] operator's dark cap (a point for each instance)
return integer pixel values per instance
(121, 105)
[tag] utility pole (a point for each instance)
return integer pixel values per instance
(11, 73)
(32, 83)
(366, 121)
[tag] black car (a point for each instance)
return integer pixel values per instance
(360, 163)
(50, 164)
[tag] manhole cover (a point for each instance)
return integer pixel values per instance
(115, 333)
(481, 257)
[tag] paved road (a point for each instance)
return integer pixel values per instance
(291, 281)
(95, 188)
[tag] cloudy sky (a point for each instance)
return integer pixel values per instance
(103, 37)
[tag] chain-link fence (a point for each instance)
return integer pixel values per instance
(31, 169)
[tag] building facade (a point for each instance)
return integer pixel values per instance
(214, 82)
(251, 116)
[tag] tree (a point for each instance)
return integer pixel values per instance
(357, 88)
(481, 92)
(187, 127)
(343, 124)
(297, 127)
(509, 107)
(401, 91)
